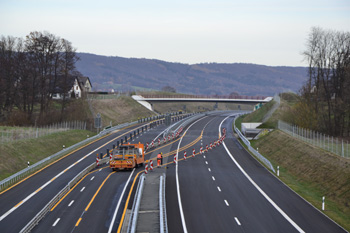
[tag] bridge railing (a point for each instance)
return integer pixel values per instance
(205, 96)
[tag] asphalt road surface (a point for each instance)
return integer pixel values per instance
(227, 190)
(222, 190)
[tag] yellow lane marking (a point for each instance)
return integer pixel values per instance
(50, 165)
(127, 202)
(19, 203)
(72, 189)
(14, 185)
(53, 179)
(38, 190)
(77, 224)
(98, 190)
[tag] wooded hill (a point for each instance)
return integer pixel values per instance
(119, 73)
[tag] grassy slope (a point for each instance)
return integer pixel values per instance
(15, 155)
(121, 110)
(308, 170)
(311, 172)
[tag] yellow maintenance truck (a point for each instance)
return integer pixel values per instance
(127, 156)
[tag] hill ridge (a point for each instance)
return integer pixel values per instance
(113, 72)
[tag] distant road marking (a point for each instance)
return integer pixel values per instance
(92, 178)
(206, 162)
(71, 203)
(237, 221)
(219, 189)
(213, 178)
(258, 188)
(100, 170)
(54, 224)
(82, 189)
(209, 169)
(226, 203)
(203, 156)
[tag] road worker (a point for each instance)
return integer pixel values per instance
(159, 160)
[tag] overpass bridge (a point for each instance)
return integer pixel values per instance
(146, 100)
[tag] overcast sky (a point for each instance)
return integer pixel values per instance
(268, 32)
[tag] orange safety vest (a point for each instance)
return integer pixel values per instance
(159, 156)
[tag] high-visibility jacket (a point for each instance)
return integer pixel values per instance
(159, 156)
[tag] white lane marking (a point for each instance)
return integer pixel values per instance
(177, 180)
(120, 200)
(71, 203)
(258, 188)
(92, 178)
(50, 181)
(54, 224)
(100, 170)
(206, 162)
(209, 169)
(213, 178)
(219, 189)
(237, 221)
(203, 156)
(226, 203)
(82, 189)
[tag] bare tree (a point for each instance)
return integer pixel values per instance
(328, 56)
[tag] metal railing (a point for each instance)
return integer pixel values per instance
(42, 163)
(136, 206)
(323, 141)
(162, 206)
(251, 149)
(58, 197)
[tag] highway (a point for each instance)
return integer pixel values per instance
(227, 190)
(222, 190)
(23, 201)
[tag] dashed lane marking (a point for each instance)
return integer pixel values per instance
(55, 223)
(219, 189)
(92, 178)
(226, 203)
(237, 221)
(213, 178)
(71, 203)
(82, 189)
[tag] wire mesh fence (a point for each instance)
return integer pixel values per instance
(18, 133)
(329, 143)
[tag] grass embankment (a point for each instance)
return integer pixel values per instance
(308, 170)
(15, 155)
(311, 172)
(120, 110)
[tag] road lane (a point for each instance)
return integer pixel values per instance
(217, 196)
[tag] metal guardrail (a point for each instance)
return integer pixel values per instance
(136, 205)
(58, 197)
(42, 163)
(251, 149)
(162, 206)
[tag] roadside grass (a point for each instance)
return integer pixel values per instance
(120, 110)
(311, 172)
(15, 155)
